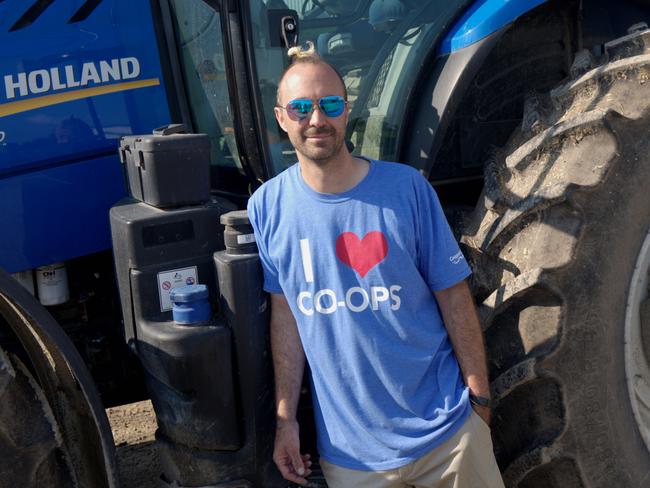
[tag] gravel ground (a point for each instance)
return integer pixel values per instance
(133, 428)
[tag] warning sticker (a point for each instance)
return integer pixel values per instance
(168, 280)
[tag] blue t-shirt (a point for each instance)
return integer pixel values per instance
(358, 269)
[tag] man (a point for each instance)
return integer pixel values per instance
(360, 264)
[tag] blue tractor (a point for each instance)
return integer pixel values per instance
(531, 118)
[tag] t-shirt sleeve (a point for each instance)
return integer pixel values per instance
(271, 279)
(440, 260)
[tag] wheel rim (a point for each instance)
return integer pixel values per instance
(637, 342)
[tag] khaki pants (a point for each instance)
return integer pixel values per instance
(466, 460)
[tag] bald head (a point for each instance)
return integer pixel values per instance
(300, 55)
(298, 76)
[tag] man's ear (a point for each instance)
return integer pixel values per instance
(279, 116)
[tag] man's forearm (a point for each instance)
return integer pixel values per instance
(459, 314)
(289, 366)
(288, 359)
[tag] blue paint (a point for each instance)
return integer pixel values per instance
(483, 18)
(58, 213)
(59, 170)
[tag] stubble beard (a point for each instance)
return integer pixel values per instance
(320, 155)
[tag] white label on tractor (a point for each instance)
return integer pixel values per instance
(245, 238)
(168, 280)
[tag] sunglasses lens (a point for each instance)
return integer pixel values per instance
(300, 108)
(332, 106)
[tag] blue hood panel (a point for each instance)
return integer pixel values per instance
(483, 18)
(77, 77)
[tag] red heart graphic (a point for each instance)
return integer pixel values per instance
(362, 254)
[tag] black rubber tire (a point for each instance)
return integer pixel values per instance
(31, 453)
(554, 241)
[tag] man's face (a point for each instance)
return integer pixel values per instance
(317, 137)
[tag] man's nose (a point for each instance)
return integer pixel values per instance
(317, 118)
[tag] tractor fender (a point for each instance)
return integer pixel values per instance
(450, 74)
(433, 103)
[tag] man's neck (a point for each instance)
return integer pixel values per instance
(336, 175)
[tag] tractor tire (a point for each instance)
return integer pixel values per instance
(32, 454)
(560, 248)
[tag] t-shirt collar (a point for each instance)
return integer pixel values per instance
(335, 197)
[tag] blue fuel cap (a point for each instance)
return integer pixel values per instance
(191, 305)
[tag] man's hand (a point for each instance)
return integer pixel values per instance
(286, 453)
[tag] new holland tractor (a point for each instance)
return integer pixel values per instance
(530, 118)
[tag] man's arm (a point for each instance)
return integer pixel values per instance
(459, 314)
(288, 366)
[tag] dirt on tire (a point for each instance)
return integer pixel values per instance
(134, 426)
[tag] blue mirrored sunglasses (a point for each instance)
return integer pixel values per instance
(300, 108)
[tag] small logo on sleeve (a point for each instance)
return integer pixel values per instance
(457, 258)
